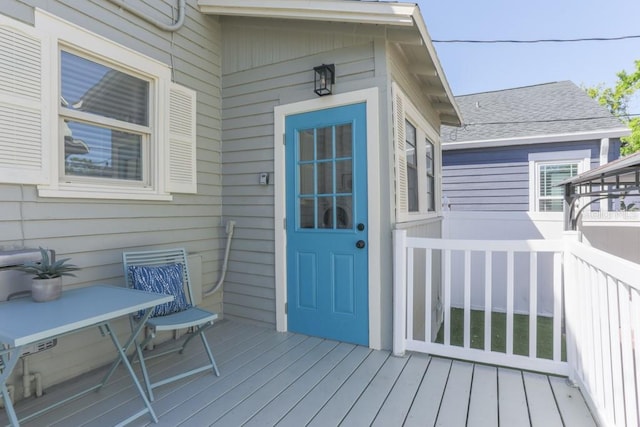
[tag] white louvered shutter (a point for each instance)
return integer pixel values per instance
(23, 154)
(402, 202)
(181, 144)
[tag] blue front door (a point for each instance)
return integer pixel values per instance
(327, 254)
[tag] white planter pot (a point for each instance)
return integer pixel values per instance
(43, 290)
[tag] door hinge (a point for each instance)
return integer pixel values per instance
(286, 308)
(284, 139)
(284, 223)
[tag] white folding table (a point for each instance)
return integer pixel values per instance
(24, 322)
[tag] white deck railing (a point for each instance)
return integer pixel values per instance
(421, 256)
(603, 326)
(601, 310)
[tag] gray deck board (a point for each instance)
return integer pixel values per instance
(483, 404)
(284, 379)
(455, 402)
(512, 399)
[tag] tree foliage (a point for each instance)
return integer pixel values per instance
(617, 99)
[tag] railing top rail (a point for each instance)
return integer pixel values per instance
(618, 268)
(487, 245)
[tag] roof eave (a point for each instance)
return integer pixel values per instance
(359, 12)
(331, 10)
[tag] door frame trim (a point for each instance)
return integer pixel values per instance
(370, 97)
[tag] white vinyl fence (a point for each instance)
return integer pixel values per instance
(595, 300)
(603, 323)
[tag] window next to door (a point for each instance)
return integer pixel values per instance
(417, 161)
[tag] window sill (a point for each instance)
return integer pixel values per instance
(85, 192)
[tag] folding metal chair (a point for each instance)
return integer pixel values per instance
(160, 271)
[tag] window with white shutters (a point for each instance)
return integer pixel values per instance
(416, 161)
(116, 124)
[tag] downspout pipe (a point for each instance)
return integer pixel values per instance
(165, 27)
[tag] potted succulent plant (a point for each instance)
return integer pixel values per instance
(47, 276)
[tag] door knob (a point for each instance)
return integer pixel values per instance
(360, 227)
(360, 244)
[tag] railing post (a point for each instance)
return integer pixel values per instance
(570, 302)
(399, 292)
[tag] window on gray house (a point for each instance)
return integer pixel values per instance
(412, 167)
(431, 181)
(104, 114)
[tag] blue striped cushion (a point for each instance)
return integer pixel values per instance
(163, 279)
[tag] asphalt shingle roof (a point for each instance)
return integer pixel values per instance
(544, 109)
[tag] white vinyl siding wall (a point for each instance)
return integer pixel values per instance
(94, 233)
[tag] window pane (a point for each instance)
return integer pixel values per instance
(306, 145)
(325, 143)
(101, 152)
(325, 178)
(325, 212)
(344, 212)
(344, 176)
(307, 209)
(552, 175)
(551, 205)
(306, 179)
(94, 88)
(429, 154)
(431, 191)
(410, 145)
(412, 163)
(344, 141)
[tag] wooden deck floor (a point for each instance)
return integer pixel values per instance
(269, 378)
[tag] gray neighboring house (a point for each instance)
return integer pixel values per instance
(516, 144)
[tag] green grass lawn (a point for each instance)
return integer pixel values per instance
(499, 331)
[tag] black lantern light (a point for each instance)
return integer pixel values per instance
(325, 78)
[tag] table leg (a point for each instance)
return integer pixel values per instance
(9, 360)
(125, 361)
(135, 331)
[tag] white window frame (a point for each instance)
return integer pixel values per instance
(63, 35)
(580, 157)
(404, 110)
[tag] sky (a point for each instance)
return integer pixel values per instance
(473, 68)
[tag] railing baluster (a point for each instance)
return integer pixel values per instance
(557, 306)
(447, 297)
(626, 341)
(510, 283)
(605, 328)
(410, 286)
(428, 294)
(533, 304)
(467, 299)
(488, 303)
(616, 357)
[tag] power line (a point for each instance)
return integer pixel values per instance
(585, 39)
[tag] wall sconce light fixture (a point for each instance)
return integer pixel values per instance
(325, 78)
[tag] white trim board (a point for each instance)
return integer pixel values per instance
(370, 97)
(333, 10)
(538, 139)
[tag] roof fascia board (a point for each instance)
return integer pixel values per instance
(422, 28)
(401, 14)
(560, 137)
